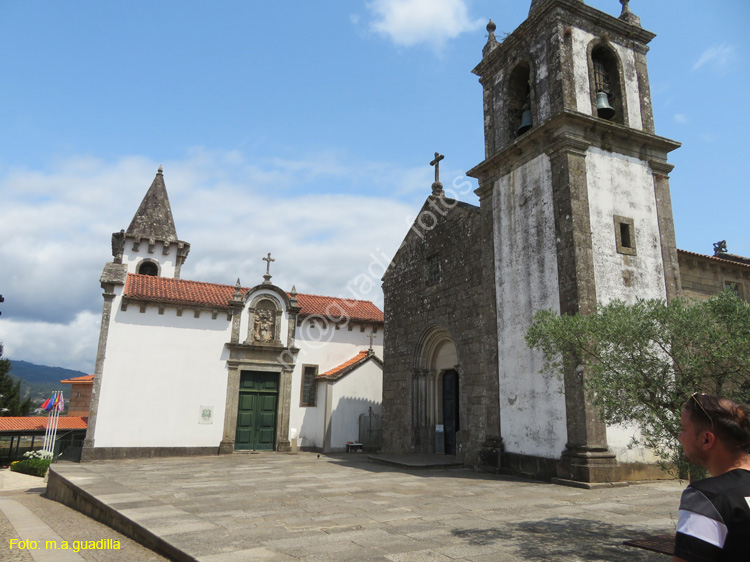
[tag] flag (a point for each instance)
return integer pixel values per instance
(44, 404)
(61, 403)
(49, 403)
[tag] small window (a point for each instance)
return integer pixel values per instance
(309, 390)
(433, 273)
(625, 235)
(738, 288)
(148, 268)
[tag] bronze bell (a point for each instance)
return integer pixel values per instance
(603, 109)
(526, 122)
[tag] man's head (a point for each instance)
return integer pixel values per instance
(709, 422)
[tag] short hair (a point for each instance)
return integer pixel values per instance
(727, 419)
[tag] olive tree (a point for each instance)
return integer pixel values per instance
(642, 361)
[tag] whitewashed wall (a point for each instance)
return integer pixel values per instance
(159, 371)
(327, 348)
(167, 263)
(532, 406)
(351, 396)
(621, 185)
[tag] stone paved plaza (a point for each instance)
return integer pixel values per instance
(304, 507)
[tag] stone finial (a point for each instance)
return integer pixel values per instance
(160, 170)
(237, 291)
(491, 39)
(627, 15)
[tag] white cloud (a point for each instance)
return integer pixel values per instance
(71, 345)
(719, 58)
(411, 22)
(680, 118)
(326, 218)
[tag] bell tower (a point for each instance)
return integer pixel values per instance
(577, 183)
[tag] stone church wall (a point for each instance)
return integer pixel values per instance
(456, 236)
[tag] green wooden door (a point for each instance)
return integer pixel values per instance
(256, 411)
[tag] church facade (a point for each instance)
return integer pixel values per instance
(185, 367)
(574, 210)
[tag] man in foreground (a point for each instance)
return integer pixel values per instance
(714, 522)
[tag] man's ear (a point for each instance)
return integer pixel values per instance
(709, 439)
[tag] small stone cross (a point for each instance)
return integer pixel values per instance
(372, 336)
(436, 163)
(268, 261)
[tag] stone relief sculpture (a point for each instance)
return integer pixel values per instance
(265, 325)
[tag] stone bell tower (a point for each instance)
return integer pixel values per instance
(578, 185)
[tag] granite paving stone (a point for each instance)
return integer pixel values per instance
(275, 506)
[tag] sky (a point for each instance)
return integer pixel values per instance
(300, 128)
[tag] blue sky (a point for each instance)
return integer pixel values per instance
(299, 128)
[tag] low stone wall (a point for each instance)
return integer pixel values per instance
(62, 490)
(114, 453)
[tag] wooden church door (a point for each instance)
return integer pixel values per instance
(450, 410)
(256, 411)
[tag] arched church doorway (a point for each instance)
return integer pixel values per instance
(436, 403)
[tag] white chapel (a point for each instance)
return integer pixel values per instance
(186, 367)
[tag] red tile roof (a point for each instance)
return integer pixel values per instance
(39, 423)
(178, 291)
(211, 295)
(349, 366)
(334, 308)
(714, 258)
(84, 379)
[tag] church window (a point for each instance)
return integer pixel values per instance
(148, 268)
(309, 389)
(736, 287)
(519, 101)
(625, 235)
(606, 87)
(433, 271)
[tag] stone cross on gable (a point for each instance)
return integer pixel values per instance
(268, 261)
(436, 163)
(372, 336)
(437, 187)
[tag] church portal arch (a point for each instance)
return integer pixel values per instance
(435, 392)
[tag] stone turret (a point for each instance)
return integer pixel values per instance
(152, 227)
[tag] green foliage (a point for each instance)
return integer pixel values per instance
(642, 361)
(11, 403)
(35, 467)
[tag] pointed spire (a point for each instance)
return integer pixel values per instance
(237, 291)
(153, 220)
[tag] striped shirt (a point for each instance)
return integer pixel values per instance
(714, 522)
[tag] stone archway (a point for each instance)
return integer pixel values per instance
(435, 358)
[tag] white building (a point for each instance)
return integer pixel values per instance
(185, 367)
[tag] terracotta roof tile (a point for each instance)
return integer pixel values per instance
(335, 307)
(349, 366)
(714, 258)
(212, 295)
(84, 378)
(178, 291)
(39, 423)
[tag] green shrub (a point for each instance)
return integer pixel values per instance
(35, 467)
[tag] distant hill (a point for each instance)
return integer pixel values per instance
(39, 381)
